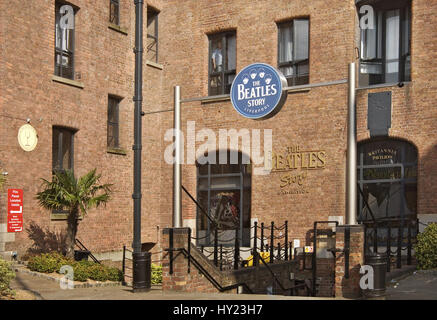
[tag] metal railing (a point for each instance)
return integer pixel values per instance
(81, 246)
(388, 233)
(227, 253)
(124, 267)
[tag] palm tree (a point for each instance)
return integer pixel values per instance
(75, 195)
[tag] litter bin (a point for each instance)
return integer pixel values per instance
(378, 262)
(142, 265)
(81, 255)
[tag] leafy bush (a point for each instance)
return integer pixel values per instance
(115, 274)
(48, 262)
(156, 274)
(83, 270)
(6, 275)
(426, 248)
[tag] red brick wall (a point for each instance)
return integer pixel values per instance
(349, 287)
(313, 119)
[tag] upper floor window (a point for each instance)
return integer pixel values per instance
(114, 12)
(64, 45)
(152, 34)
(222, 62)
(113, 122)
(385, 48)
(293, 51)
(62, 149)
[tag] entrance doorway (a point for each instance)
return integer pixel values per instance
(224, 191)
(387, 177)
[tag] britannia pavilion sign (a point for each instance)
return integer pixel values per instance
(258, 91)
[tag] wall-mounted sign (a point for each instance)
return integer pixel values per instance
(309, 249)
(27, 137)
(15, 210)
(295, 164)
(258, 91)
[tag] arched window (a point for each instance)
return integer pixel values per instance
(224, 191)
(387, 177)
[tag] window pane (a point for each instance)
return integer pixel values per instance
(225, 209)
(152, 35)
(217, 55)
(285, 46)
(300, 39)
(215, 85)
(231, 53)
(114, 12)
(56, 163)
(392, 45)
(66, 150)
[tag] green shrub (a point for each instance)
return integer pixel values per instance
(98, 272)
(426, 248)
(83, 270)
(6, 275)
(156, 274)
(48, 262)
(115, 274)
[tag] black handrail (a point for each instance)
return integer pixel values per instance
(209, 276)
(81, 246)
(200, 207)
(277, 280)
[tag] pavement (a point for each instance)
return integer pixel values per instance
(415, 285)
(43, 289)
(420, 285)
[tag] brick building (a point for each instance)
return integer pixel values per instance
(76, 88)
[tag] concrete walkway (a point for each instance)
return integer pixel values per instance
(420, 285)
(43, 289)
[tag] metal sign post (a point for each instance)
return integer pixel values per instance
(177, 200)
(351, 178)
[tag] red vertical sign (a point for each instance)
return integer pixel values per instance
(15, 210)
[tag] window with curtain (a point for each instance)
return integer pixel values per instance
(222, 62)
(385, 49)
(152, 34)
(114, 12)
(293, 51)
(64, 47)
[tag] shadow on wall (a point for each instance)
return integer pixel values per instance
(44, 240)
(427, 188)
(350, 286)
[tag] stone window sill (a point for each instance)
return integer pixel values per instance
(61, 216)
(117, 28)
(116, 151)
(69, 82)
(154, 65)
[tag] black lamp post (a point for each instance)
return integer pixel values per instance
(139, 258)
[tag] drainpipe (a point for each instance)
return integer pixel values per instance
(138, 257)
(351, 184)
(177, 195)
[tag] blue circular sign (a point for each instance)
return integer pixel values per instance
(257, 91)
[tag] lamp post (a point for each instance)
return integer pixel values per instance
(138, 257)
